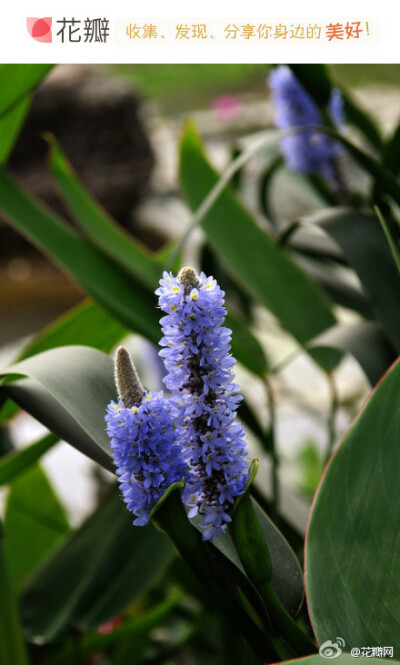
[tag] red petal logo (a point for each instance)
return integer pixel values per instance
(40, 28)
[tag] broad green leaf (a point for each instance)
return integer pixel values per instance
(18, 80)
(35, 523)
(126, 298)
(17, 462)
(93, 271)
(262, 268)
(127, 252)
(97, 572)
(391, 152)
(366, 342)
(86, 324)
(352, 548)
(360, 119)
(12, 649)
(136, 630)
(340, 659)
(99, 226)
(68, 390)
(315, 79)
(10, 125)
(363, 242)
(246, 346)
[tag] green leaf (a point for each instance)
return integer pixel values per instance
(262, 268)
(315, 79)
(12, 649)
(246, 346)
(68, 390)
(136, 630)
(18, 80)
(10, 125)
(363, 242)
(86, 324)
(286, 572)
(124, 297)
(97, 572)
(99, 226)
(342, 659)
(35, 523)
(16, 462)
(100, 277)
(362, 120)
(366, 342)
(127, 252)
(352, 548)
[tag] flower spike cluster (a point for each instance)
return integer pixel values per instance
(199, 366)
(143, 441)
(309, 152)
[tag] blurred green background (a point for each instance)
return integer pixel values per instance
(178, 87)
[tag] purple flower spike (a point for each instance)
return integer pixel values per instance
(199, 366)
(308, 152)
(143, 440)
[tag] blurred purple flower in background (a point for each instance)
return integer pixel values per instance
(308, 151)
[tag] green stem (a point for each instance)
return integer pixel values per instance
(333, 409)
(253, 552)
(12, 646)
(389, 238)
(273, 451)
(170, 516)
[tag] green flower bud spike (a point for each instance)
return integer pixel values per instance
(188, 278)
(130, 389)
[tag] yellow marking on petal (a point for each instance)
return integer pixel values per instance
(194, 296)
(173, 307)
(175, 288)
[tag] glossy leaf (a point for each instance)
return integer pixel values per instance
(86, 324)
(352, 548)
(17, 462)
(35, 523)
(98, 225)
(315, 79)
(363, 242)
(340, 659)
(12, 648)
(68, 390)
(92, 270)
(10, 124)
(17, 80)
(261, 267)
(366, 342)
(97, 572)
(124, 297)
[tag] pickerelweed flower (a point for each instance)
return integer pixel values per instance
(199, 366)
(308, 151)
(143, 440)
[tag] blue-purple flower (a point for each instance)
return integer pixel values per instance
(199, 366)
(308, 151)
(145, 451)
